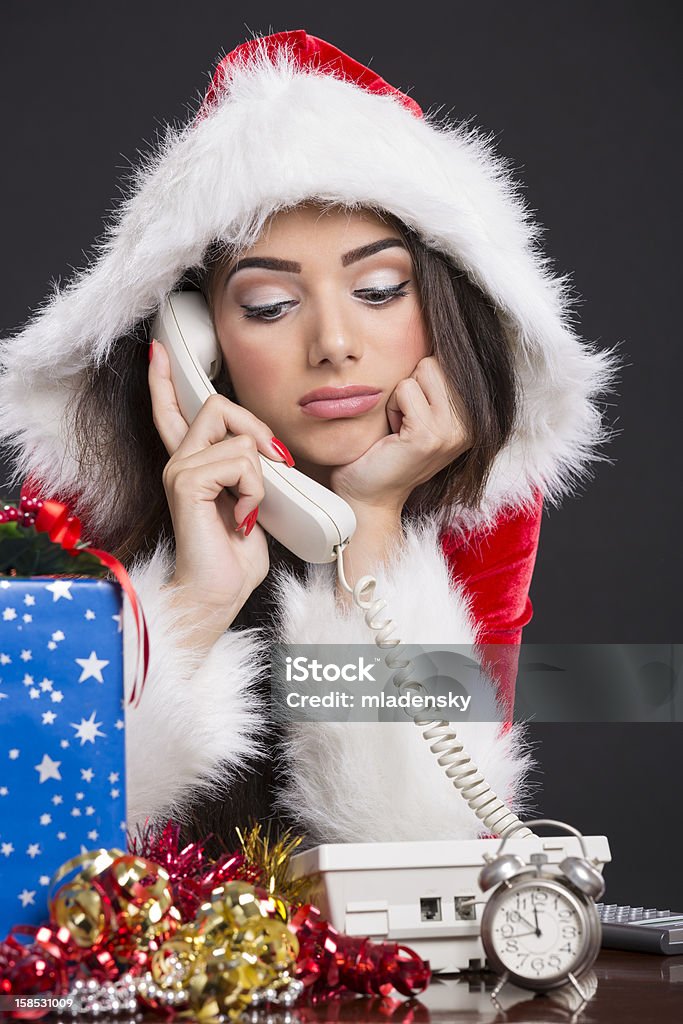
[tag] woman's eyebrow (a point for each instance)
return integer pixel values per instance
(364, 251)
(292, 267)
(267, 263)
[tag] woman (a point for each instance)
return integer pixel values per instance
(411, 269)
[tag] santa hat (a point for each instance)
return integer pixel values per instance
(288, 118)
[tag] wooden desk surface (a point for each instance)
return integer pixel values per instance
(629, 987)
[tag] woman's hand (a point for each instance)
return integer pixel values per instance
(216, 564)
(426, 435)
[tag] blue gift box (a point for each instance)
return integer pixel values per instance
(62, 783)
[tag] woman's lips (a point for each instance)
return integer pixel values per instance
(331, 406)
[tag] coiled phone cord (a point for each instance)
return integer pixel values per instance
(444, 743)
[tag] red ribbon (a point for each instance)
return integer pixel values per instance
(55, 519)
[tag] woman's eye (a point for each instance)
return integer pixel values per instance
(380, 296)
(273, 311)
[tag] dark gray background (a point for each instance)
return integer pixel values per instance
(585, 99)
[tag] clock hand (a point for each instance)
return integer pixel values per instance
(538, 930)
(530, 925)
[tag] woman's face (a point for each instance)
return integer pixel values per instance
(326, 298)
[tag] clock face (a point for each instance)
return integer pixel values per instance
(538, 930)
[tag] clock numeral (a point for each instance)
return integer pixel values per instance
(512, 946)
(521, 957)
(564, 915)
(506, 930)
(569, 931)
(567, 948)
(538, 898)
(537, 964)
(554, 961)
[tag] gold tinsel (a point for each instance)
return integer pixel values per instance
(273, 860)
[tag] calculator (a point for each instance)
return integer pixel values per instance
(641, 930)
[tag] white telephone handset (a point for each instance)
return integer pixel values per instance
(306, 517)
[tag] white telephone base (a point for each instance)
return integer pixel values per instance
(421, 894)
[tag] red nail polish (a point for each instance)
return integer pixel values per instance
(252, 522)
(282, 450)
(248, 521)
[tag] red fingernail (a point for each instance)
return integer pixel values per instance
(282, 450)
(252, 522)
(249, 521)
(151, 349)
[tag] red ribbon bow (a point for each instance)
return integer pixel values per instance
(309, 52)
(55, 519)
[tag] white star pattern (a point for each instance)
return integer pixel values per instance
(37, 834)
(88, 730)
(92, 667)
(27, 898)
(48, 769)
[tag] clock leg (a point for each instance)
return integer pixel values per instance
(500, 984)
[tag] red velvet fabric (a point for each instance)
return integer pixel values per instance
(495, 568)
(310, 52)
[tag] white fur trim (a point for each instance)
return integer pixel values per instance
(280, 135)
(199, 721)
(367, 782)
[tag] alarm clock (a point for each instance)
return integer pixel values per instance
(540, 927)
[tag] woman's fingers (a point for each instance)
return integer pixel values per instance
(168, 419)
(210, 462)
(202, 477)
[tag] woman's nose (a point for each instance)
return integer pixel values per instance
(333, 338)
